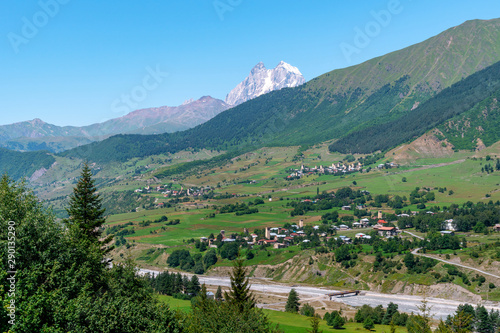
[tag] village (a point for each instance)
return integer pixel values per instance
(339, 168)
(296, 234)
(167, 191)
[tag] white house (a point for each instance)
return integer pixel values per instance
(449, 225)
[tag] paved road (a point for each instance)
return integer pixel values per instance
(407, 303)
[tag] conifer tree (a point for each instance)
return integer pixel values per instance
(218, 294)
(240, 294)
(85, 209)
(292, 304)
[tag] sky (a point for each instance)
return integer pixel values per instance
(71, 62)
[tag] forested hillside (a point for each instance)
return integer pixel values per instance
(18, 165)
(481, 122)
(453, 101)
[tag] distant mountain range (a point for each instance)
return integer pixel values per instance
(336, 104)
(37, 135)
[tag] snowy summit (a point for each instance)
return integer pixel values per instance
(262, 80)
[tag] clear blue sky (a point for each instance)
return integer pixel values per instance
(83, 56)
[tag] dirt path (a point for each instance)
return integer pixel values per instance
(419, 237)
(425, 167)
(415, 252)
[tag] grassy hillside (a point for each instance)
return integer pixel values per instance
(455, 100)
(332, 105)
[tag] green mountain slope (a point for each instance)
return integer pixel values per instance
(332, 105)
(453, 101)
(18, 165)
(481, 122)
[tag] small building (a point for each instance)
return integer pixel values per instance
(210, 295)
(267, 241)
(344, 239)
(204, 239)
(496, 227)
(387, 231)
(360, 235)
(449, 225)
(447, 232)
(279, 245)
(346, 207)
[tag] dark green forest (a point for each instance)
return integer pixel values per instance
(18, 164)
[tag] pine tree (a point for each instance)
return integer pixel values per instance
(194, 286)
(314, 325)
(218, 294)
(391, 310)
(292, 304)
(240, 294)
(85, 208)
(483, 323)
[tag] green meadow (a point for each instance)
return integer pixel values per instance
(288, 322)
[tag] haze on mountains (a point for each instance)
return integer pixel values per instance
(37, 135)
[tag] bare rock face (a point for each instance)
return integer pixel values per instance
(262, 80)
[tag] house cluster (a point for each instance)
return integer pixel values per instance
(168, 192)
(388, 165)
(279, 237)
(334, 168)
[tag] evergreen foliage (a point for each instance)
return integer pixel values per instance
(62, 283)
(218, 294)
(292, 303)
(457, 99)
(314, 325)
(239, 294)
(85, 208)
(18, 165)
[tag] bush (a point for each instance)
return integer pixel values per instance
(335, 320)
(368, 324)
(307, 310)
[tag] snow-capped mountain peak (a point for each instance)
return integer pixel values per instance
(262, 80)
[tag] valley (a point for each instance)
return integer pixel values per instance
(366, 198)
